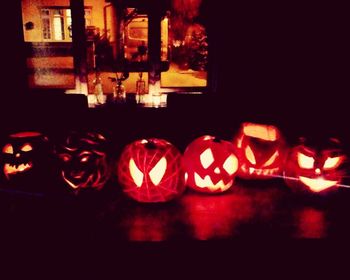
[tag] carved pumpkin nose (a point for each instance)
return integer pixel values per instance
(318, 171)
(217, 170)
(17, 155)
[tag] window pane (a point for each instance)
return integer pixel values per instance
(49, 58)
(188, 46)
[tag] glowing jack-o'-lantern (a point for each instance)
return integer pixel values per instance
(83, 158)
(150, 171)
(261, 150)
(25, 158)
(315, 168)
(210, 164)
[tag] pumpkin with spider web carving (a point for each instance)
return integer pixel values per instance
(150, 170)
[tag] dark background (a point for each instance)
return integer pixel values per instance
(282, 63)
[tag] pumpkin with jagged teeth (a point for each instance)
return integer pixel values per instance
(261, 150)
(24, 157)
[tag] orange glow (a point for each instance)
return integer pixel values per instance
(158, 171)
(213, 217)
(8, 149)
(305, 161)
(318, 184)
(26, 147)
(263, 132)
(231, 164)
(250, 155)
(26, 134)
(207, 183)
(332, 162)
(207, 158)
(311, 223)
(12, 169)
(135, 173)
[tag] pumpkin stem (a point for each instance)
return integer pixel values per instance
(150, 145)
(217, 139)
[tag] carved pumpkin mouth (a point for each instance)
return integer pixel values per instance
(208, 183)
(10, 169)
(259, 171)
(318, 184)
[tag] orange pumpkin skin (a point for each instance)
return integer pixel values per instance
(261, 150)
(210, 164)
(315, 169)
(151, 171)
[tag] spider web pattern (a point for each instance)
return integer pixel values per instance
(172, 183)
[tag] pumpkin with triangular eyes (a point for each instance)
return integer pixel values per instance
(83, 161)
(210, 164)
(25, 159)
(149, 170)
(315, 167)
(261, 150)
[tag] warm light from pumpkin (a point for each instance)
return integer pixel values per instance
(210, 164)
(149, 170)
(261, 150)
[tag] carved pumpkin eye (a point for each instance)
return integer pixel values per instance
(272, 159)
(158, 171)
(135, 173)
(305, 161)
(250, 155)
(231, 164)
(84, 157)
(332, 162)
(207, 158)
(8, 149)
(65, 157)
(26, 148)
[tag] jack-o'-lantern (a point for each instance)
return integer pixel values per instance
(150, 171)
(261, 150)
(83, 158)
(315, 167)
(210, 164)
(25, 158)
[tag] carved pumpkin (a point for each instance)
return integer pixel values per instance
(83, 159)
(261, 150)
(25, 158)
(210, 164)
(315, 167)
(150, 171)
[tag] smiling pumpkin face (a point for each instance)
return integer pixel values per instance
(149, 170)
(315, 169)
(210, 164)
(261, 150)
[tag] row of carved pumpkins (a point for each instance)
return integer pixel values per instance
(154, 170)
